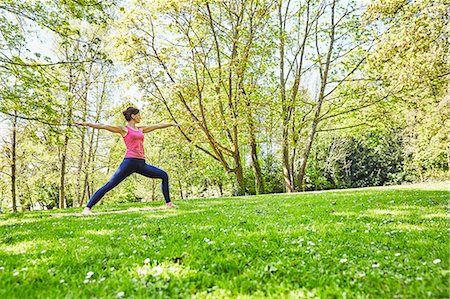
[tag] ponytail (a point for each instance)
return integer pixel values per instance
(130, 110)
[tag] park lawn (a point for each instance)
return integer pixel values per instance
(365, 243)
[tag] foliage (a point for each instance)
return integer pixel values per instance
(411, 59)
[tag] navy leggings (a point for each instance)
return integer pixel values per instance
(127, 167)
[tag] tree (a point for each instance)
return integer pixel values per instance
(37, 76)
(412, 54)
(293, 36)
(324, 43)
(206, 87)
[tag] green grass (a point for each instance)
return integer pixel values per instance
(372, 243)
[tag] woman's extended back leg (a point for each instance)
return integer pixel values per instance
(124, 170)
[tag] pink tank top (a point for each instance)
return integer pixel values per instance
(134, 141)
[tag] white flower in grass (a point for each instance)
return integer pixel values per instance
(436, 261)
(147, 260)
(134, 251)
(120, 294)
(343, 260)
(102, 279)
(112, 269)
(26, 269)
(2, 268)
(232, 244)
(61, 281)
(120, 254)
(375, 265)
(15, 273)
(43, 251)
(270, 268)
(157, 271)
(208, 241)
(86, 281)
(397, 254)
(89, 274)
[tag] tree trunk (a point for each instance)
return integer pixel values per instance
(88, 187)
(62, 185)
(95, 148)
(237, 161)
(259, 184)
(181, 188)
(13, 163)
(448, 159)
(288, 104)
(239, 175)
(77, 201)
(67, 131)
(153, 190)
(90, 163)
(288, 182)
(324, 81)
(219, 184)
(301, 177)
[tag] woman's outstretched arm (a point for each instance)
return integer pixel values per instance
(149, 128)
(115, 129)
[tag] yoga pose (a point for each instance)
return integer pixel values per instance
(134, 160)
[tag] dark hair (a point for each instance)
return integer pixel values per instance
(130, 110)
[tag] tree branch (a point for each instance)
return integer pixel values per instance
(342, 128)
(36, 119)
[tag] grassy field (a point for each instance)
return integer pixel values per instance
(366, 243)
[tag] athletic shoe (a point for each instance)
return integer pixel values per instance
(87, 211)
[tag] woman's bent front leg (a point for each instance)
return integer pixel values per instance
(156, 173)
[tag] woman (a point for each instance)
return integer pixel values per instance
(134, 160)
